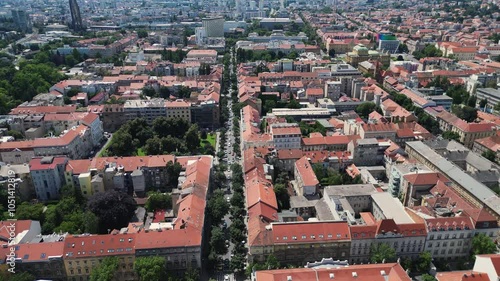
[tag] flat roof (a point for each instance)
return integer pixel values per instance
(391, 207)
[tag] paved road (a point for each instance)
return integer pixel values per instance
(104, 146)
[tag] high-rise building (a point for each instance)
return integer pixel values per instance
(214, 27)
(76, 18)
(21, 20)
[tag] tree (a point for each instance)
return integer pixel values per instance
(158, 201)
(382, 252)
(149, 91)
(106, 270)
(203, 135)
(114, 209)
(365, 109)
(121, 144)
(483, 103)
(16, 134)
(142, 33)
(173, 172)
(482, 244)
(472, 101)
(466, 113)
(424, 261)
(428, 277)
(192, 138)
(282, 196)
(218, 206)
(490, 155)
(152, 268)
(331, 53)
(217, 241)
(153, 146)
(21, 276)
(449, 135)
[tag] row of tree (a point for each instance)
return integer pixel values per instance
(151, 268)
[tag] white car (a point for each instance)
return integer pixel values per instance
(226, 277)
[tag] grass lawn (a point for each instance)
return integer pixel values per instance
(140, 152)
(210, 139)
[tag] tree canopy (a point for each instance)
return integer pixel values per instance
(158, 201)
(106, 270)
(114, 209)
(382, 252)
(151, 268)
(482, 244)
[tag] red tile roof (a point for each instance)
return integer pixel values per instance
(37, 252)
(19, 225)
(368, 272)
(36, 165)
(466, 275)
(306, 172)
(425, 178)
(85, 246)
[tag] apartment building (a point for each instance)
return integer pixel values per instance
(469, 188)
(22, 177)
(147, 109)
(491, 143)
(468, 132)
(449, 238)
(111, 115)
(47, 174)
(75, 143)
(83, 253)
(327, 269)
(106, 173)
(286, 136)
(305, 177)
(300, 242)
(182, 241)
(43, 260)
(179, 109)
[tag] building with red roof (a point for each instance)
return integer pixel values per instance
(301, 242)
(43, 260)
(488, 264)
(286, 136)
(489, 144)
(306, 180)
(468, 132)
(83, 253)
(47, 175)
(368, 272)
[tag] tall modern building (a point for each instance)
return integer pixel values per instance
(21, 20)
(76, 18)
(214, 27)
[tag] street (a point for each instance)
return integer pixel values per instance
(229, 158)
